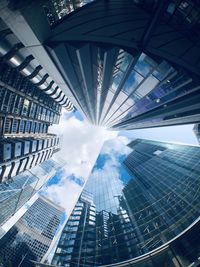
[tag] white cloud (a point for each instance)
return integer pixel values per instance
(81, 144)
(117, 146)
(64, 193)
(113, 150)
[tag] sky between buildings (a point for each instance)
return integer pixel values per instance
(80, 148)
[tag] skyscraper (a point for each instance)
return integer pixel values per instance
(13, 195)
(20, 154)
(122, 216)
(30, 101)
(124, 64)
(31, 236)
(22, 74)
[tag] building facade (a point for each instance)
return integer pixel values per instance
(22, 74)
(13, 195)
(57, 9)
(31, 236)
(142, 73)
(20, 154)
(80, 227)
(30, 101)
(150, 198)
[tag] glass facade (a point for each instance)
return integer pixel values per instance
(132, 205)
(131, 76)
(13, 195)
(26, 112)
(126, 87)
(30, 238)
(57, 9)
(181, 252)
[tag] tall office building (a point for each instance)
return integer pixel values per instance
(81, 225)
(13, 195)
(125, 218)
(124, 64)
(36, 94)
(20, 154)
(30, 101)
(31, 236)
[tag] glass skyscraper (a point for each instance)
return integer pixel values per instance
(15, 194)
(140, 205)
(30, 101)
(124, 64)
(30, 238)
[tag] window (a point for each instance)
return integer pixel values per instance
(25, 107)
(133, 80)
(144, 65)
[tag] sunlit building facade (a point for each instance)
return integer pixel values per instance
(145, 208)
(14, 194)
(31, 236)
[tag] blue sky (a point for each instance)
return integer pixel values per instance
(180, 134)
(81, 145)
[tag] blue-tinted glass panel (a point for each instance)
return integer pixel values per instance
(133, 80)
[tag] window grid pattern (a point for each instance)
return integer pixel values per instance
(135, 212)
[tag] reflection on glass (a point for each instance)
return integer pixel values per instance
(137, 211)
(144, 65)
(15, 194)
(147, 86)
(162, 71)
(133, 80)
(116, 81)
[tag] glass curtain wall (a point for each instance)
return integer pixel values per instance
(137, 203)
